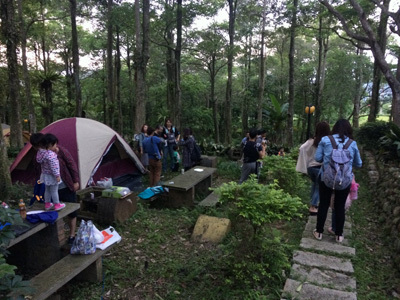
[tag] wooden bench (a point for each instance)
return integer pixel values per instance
(88, 267)
(184, 188)
(210, 201)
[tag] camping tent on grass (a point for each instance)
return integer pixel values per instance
(97, 149)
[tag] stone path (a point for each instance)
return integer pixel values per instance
(322, 269)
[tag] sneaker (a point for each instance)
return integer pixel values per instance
(48, 206)
(317, 235)
(71, 240)
(331, 231)
(339, 238)
(59, 206)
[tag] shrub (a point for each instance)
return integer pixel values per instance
(369, 134)
(390, 143)
(282, 169)
(259, 204)
(229, 169)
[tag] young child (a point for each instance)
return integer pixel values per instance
(281, 152)
(48, 160)
(177, 159)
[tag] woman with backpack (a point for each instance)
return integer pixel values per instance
(336, 174)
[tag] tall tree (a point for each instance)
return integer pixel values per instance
(10, 33)
(291, 73)
(110, 71)
(23, 29)
(141, 59)
(377, 75)
(75, 60)
(261, 84)
(369, 37)
(228, 97)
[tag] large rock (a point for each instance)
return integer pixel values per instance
(210, 229)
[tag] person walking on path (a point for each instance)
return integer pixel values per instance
(341, 133)
(307, 164)
(251, 153)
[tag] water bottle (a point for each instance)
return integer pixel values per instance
(22, 208)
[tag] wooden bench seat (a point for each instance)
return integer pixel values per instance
(210, 201)
(184, 188)
(88, 267)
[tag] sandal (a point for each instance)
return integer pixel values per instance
(330, 230)
(339, 238)
(317, 235)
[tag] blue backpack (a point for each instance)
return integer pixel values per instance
(338, 174)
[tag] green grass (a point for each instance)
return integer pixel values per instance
(377, 278)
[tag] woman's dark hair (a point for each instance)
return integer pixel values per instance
(142, 130)
(36, 140)
(343, 128)
(166, 120)
(186, 133)
(49, 140)
(322, 129)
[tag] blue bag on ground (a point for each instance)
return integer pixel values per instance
(151, 191)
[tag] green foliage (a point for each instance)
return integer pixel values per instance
(369, 134)
(211, 148)
(390, 143)
(9, 282)
(259, 204)
(228, 169)
(282, 169)
(262, 266)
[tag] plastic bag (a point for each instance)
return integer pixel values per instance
(98, 236)
(105, 182)
(84, 242)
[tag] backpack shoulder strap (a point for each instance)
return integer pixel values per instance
(348, 143)
(333, 142)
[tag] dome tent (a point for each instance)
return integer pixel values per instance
(98, 150)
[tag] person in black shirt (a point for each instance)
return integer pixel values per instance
(251, 153)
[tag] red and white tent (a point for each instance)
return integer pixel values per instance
(98, 150)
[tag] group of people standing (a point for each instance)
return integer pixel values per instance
(158, 149)
(314, 158)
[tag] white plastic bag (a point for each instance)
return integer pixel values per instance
(105, 182)
(84, 242)
(98, 236)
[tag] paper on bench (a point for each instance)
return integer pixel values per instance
(198, 170)
(111, 236)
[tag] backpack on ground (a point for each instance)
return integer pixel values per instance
(195, 156)
(338, 174)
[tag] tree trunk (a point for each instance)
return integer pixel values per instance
(118, 83)
(213, 100)
(377, 74)
(228, 96)
(110, 83)
(291, 74)
(178, 50)
(75, 60)
(9, 30)
(5, 178)
(261, 82)
(358, 89)
(247, 72)
(141, 59)
(27, 79)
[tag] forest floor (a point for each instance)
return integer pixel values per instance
(156, 258)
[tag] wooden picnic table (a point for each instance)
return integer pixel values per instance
(184, 188)
(39, 245)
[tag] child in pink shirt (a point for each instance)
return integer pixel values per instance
(50, 176)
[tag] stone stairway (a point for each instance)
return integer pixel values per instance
(322, 269)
